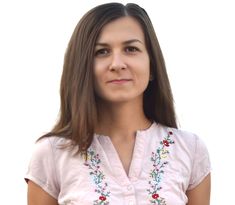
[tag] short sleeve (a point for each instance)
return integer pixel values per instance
(201, 164)
(41, 169)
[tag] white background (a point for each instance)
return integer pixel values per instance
(197, 40)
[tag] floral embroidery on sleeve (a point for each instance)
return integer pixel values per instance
(93, 163)
(157, 171)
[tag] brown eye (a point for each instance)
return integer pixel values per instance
(131, 49)
(102, 52)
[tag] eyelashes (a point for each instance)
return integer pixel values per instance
(132, 49)
(106, 51)
(102, 52)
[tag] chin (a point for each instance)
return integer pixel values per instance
(124, 99)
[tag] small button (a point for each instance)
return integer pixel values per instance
(129, 188)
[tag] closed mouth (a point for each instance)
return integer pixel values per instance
(119, 81)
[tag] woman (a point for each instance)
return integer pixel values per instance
(116, 141)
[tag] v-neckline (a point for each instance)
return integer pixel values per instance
(114, 161)
(125, 152)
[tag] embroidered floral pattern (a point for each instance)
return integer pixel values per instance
(159, 162)
(157, 171)
(93, 163)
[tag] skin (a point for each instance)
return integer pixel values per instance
(200, 195)
(37, 196)
(122, 64)
(121, 71)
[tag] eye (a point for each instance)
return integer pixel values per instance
(131, 49)
(102, 52)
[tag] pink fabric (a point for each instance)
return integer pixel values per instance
(166, 163)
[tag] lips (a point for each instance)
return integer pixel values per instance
(119, 81)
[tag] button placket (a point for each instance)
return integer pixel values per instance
(129, 188)
(131, 202)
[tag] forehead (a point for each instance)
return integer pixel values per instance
(124, 28)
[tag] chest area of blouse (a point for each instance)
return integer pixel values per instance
(150, 180)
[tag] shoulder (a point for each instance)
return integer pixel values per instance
(46, 144)
(185, 138)
(49, 146)
(42, 167)
(186, 144)
(189, 153)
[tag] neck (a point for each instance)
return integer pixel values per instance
(121, 120)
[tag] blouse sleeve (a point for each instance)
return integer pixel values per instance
(42, 169)
(201, 164)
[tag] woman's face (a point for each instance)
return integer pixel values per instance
(121, 64)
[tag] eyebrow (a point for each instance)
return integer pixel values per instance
(125, 42)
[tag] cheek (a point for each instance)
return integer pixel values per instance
(145, 80)
(97, 83)
(98, 80)
(145, 72)
(97, 70)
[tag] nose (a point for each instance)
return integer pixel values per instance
(117, 62)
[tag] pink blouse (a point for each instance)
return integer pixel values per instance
(166, 162)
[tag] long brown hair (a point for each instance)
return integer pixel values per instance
(78, 112)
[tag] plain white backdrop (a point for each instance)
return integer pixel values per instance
(197, 40)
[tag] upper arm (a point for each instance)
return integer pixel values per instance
(200, 195)
(37, 196)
